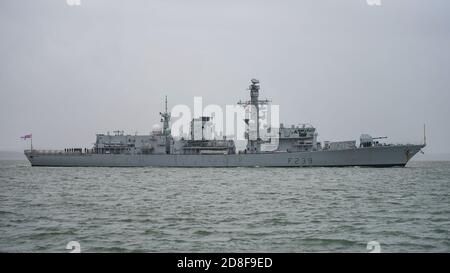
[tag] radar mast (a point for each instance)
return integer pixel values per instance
(165, 119)
(254, 145)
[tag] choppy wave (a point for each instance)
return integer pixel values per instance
(225, 210)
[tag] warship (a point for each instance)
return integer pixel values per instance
(297, 146)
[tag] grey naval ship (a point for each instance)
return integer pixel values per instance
(297, 147)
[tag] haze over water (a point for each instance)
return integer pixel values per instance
(225, 210)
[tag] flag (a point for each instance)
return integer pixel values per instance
(26, 136)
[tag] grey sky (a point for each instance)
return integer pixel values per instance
(67, 73)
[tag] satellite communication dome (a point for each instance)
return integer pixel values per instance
(156, 128)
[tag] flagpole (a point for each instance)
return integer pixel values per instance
(31, 139)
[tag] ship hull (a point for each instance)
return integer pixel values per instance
(380, 156)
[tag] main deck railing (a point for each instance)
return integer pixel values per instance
(59, 152)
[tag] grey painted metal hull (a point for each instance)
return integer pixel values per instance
(380, 156)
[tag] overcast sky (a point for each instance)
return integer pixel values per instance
(69, 72)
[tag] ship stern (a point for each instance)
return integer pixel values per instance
(29, 156)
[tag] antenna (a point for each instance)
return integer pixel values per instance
(166, 104)
(424, 135)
